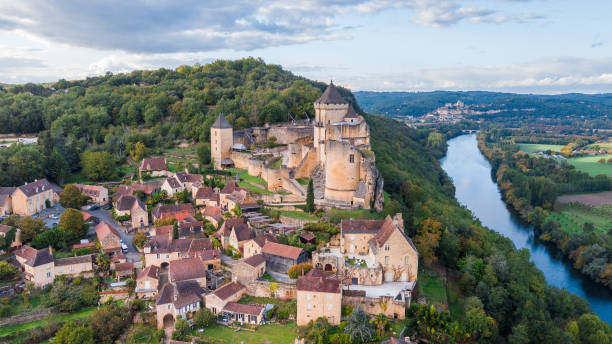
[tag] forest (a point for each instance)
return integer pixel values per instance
(531, 185)
(506, 298)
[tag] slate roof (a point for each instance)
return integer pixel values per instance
(308, 236)
(205, 193)
(251, 309)
(186, 269)
(221, 123)
(243, 232)
(153, 164)
(185, 177)
(351, 112)
(227, 290)
(162, 244)
(360, 226)
(175, 184)
(36, 187)
(262, 239)
(7, 190)
(128, 202)
(179, 294)
(73, 260)
(151, 271)
(190, 228)
(254, 260)
(331, 95)
(35, 257)
(228, 224)
(315, 280)
(281, 250)
(90, 190)
(232, 186)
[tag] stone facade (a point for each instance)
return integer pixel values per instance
(31, 198)
(249, 269)
(318, 296)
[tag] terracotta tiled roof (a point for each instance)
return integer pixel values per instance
(90, 190)
(147, 188)
(254, 260)
(281, 250)
(87, 244)
(250, 309)
(186, 269)
(36, 187)
(316, 281)
(151, 271)
(307, 236)
(73, 260)
(103, 229)
(331, 96)
(127, 266)
(153, 164)
(86, 216)
(34, 257)
(205, 193)
(227, 290)
(212, 211)
(162, 244)
(209, 255)
(231, 186)
(173, 210)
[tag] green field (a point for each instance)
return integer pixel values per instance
(590, 164)
(284, 334)
(573, 216)
(9, 330)
(605, 145)
(294, 214)
(536, 147)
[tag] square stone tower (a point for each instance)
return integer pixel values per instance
(331, 107)
(221, 141)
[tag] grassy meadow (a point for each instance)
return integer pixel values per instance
(590, 164)
(572, 217)
(536, 147)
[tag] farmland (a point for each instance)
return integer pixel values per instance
(590, 164)
(572, 217)
(536, 147)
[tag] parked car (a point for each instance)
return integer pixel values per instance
(107, 207)
(124, 248)
(53, 216)
(94, 207)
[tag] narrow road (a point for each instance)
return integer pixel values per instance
(132, 255)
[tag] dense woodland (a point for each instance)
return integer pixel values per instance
(530, 185)
(506, 297)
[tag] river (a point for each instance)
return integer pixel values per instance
(475, 189)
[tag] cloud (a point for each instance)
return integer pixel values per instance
(166, 26)
(11, 63)
(550, 75)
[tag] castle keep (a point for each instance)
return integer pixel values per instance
(334, 150)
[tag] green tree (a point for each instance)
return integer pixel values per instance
(427, 239)
(57, 167)
(72, 221)
(237, 210)
(203, 318)
(380, 321)
(72, 197)
(138, 151)
(98, 166)
(109, 322)
(297, 270)
(358, 327)
(203, 152)
(175, 231)
(71, 333)
(310, 205)
(103, 262)
(7, 271)
(30, 227)
(139, 240)
(181, 331)
(57, 237)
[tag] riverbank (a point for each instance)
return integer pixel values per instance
(531, 185)
(471, 173)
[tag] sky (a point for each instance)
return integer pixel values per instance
(524, 46)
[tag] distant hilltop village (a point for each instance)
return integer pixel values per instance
(334, 150)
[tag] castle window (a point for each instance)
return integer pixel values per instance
(407, 260)
(352, 158)
(387, 247)
(386, 260)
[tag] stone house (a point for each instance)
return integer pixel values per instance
(189, 181)
(254, 246)
(161, 250)
(211, 259)
(318, 296)
(171, 185)
(187, 229)
(206, 197)
(247, 270)
(124, 270)
(213, 214)
(75, 266)
(177, 300)
(6, 201)
(176, 211)
(234, 232)
(38, 265)
(281, 257)
(132, 206)
(156, 167)
(230, 292)
(188, 269)
(97, 194)
(109, 237)
(147, 282)
(244, 313)
(31, 198)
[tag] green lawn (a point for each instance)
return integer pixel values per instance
(431, 286)
(294, 214)
(303, 181)
(254, 189)
(8, 330)
(277, 164)
(336, 215)
(572, 217)
(536, 147)
(244, 175)
(34, 301)
(590, 164)
(277, 334)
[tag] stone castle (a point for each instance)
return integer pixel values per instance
(334, 150)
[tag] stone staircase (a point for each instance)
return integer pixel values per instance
(318, 182)
(293, 186)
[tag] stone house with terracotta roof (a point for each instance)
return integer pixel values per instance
(234, 233)
(213, 214)
(135, 208)
(177, 211)
(40, 268)
(188, 269)
(177, 300)
(97, 194)
(280, 257)
(206, 197)
(171, 185)
(318, 296)
(247, 270)
(147, 282)
(75, 266)
(161, 250)
(254, 246)
(31, 198)
(230, 292)
(109, 237)
(156, 167)
(252, 314)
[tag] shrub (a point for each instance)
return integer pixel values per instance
(7, 271)
(299, 269)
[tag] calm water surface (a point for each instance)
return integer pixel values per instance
(471, 174)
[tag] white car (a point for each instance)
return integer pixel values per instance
(53, 216)
(124, 248)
